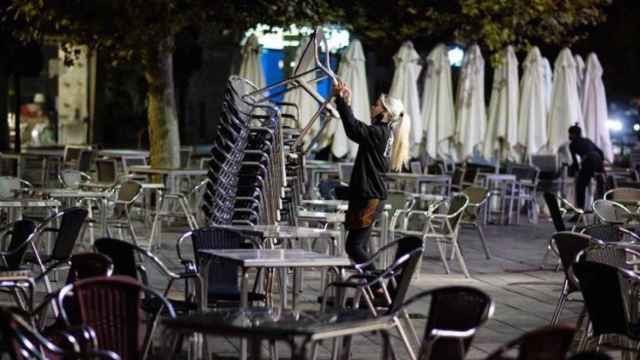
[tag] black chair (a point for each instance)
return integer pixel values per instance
(610, 233)
(22, 341)
(548, 343)
(568, 245)
(455, 314)
(606, 291)
(12, 260)
(222, 278)
(130, 260)
(66, 235)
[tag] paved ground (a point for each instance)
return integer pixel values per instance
(525, 295)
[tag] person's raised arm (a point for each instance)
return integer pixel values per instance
(355, 129)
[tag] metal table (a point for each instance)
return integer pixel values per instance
(120, 153)
(501, 186)
(170, 174)
(259, 324)
(16, 205)
(281, 259)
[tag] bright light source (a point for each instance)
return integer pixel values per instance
(614, 125)
(278, 38)
(456, 54)
(636, 127)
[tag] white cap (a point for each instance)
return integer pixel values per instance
(393, 106)
(38, 98)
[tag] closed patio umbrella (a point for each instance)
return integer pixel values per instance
(251, 66)
(307, 106)
(438, 112)
(565, 104)
(548, 83)
(594, 107)
(471, 114)
(404, 86)
(532, 119)
(502, 128)
(580, 69)
(352, 71)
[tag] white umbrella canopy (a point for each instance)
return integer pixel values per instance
(532, 122)
(548, 83)
(565, 104)
(502, 128)
(471, 114)
(438, 112)
(353, 72)
(251, 66)
(404, 86)
(594, 107)
(307, 106)
(580, 68)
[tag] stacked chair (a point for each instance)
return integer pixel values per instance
(246, 167)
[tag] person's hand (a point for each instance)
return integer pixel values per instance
(342, 90)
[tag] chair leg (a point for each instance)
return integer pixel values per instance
(443, 256)
(487, 254)
(463, 265)
(412, 329)
(561, 304)
(405, 339)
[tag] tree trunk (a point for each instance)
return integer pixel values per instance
(164, 137)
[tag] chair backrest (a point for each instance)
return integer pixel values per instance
(458, 176)
(128, 161)
(68, 233)
(546, 163)
(455, 308)
(603, 232)
(106, 170)
(554, 210)
(604, 293)
(435, 169)
(71, 155)
(88, 265)
(122, 255)
(20, 232)
(72, 178)
(222, 275)
(569, 245)
(476, 194)
(10, 186)
(548, 343)
(611, 212)
(344, 171)
(85, 160)
(623, 195)
(411, 248)
(111, 307)
(128, 191)
(523, 172)
(185, 156)
(612, 255)
(457, 205)
(21, 341)
(416, 166)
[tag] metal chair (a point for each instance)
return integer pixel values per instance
(128, 161)
(13, 260)
(11, 187)
(629, 197)
(106, 171)
(455, 315)
(525, 190)
(567, 245)
(73, 179)
(111, 307)
(549, 343)
(610, 233)
(607, 292)
(126, 193)
(222, 278)
(443, 229)
(472, 215)
(24, 342)
(611, 212)
(132, 261)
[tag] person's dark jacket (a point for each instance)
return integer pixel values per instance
(587, 150)
(367, 177)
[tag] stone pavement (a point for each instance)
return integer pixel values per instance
(525, 295)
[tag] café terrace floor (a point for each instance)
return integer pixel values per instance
(525, 295)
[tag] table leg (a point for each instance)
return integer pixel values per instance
(103, 216)
(244, 303)
(283, 287)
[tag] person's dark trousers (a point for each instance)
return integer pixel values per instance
(589, 166)
(357, 245)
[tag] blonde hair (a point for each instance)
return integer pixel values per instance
(400, 132)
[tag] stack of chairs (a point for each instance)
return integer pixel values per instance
(246, 170)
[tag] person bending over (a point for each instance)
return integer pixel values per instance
(591, 161)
